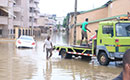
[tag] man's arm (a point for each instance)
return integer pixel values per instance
(87, 28)
(44, 47)
(51, 45)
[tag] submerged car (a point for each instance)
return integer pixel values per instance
(25, 41)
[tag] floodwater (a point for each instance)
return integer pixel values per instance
(31, 64)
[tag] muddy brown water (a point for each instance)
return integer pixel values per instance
(30, 64)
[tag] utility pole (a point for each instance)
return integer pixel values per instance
(32, 21)
(75, 21)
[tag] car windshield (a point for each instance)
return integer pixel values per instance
(26, 38)
(123, 29)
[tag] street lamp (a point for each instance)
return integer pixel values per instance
(75, 21)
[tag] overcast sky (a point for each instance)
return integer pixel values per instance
(62, 7)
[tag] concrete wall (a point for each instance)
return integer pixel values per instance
(4, 3)
(42, 21)
(71, 20)
(93, 15)
(119, 7)
(25, 13)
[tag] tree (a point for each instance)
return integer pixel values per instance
(65, 23)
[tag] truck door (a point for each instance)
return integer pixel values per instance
(122, 36)
(107, 38)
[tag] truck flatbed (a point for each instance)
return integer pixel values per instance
(76, 50)
(79, 46)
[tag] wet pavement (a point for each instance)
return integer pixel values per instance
(31, 64)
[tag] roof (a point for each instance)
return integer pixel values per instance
(114, 21)
(104, 19)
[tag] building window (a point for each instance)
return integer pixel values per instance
(23, 31)
(14, 4)
(19, 33)
(31, 10)
(29, 32)
(31, 19)
(26, 32)
(13, 31)
(107, 29)
(0, 31)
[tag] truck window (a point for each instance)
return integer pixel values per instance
(123, 29)
(107, 29)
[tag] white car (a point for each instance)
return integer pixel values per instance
(25, 41)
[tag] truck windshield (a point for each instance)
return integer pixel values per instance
(123, 29)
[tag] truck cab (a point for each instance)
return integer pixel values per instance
(113, 39)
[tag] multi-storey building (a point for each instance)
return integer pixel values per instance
(20, 14)
(47, 22)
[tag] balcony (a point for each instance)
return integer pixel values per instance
(37, 9)
(37, 16)
(4, 20)
(37, 1)
(17, 23)
(17, 9)
(34, 24)
(4, 3)
(32, 14)
(33, 5)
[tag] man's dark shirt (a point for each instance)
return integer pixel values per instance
(120, 77)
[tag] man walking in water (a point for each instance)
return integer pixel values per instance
(84, 31)
(48, 45)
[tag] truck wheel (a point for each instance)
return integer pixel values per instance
(103, 59)
(65, 55)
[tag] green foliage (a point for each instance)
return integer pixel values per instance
(58, 26)
(65, 22)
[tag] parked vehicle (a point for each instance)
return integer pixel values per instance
(113, 39)
(25, 41)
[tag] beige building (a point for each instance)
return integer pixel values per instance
(46, 22)
(109, 11)
(18, 14)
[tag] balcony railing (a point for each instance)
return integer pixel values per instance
(33, 5)
(17, 23)
(32, 14)
(34, 24)
(37, 1)
(4, 3)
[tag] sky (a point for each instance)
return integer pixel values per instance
(62, 7)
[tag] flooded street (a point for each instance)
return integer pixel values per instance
(31, 64)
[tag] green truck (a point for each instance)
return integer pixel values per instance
(113, 39)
